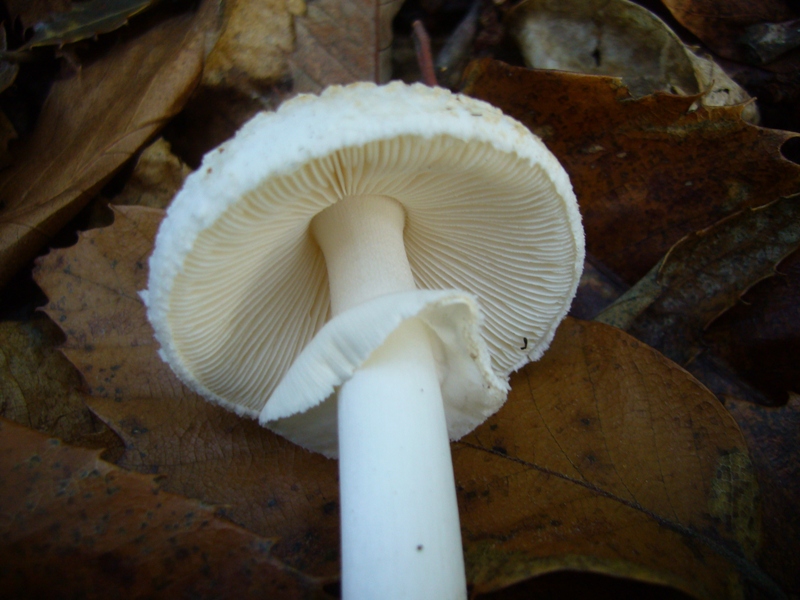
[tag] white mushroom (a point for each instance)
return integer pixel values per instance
(361, 271)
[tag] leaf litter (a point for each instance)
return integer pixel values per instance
(155, 442)
(99, 531)
(646, 171)
(630, 464)
(125, 97)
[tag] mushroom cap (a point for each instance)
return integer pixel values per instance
(238, 286)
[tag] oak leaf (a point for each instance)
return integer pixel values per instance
(773, 434)
(89, 126)
(40, 388)
(704, 275)
(646, 171)
(622, 39)
(343, 41)
(760, 336)
(75, 526)
(721, 24)
(606, 457)
(31, 11)
(267, 484)
(83, 20)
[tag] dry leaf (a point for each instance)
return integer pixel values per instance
(84, 20)
(8, 70)
(298, 48)
(760, 336)
(597, 289)
(721, 23)
(704, 275)
(32, 11)
(608, 457)
(246, 71)
(648, 171)
(773, 434)
(7, 133)
(267, 484)
(39, 388)
(622, 39)
(342, 41)
(75, 526)
(665, 505)
(89, 126)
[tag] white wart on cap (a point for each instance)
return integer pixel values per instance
(239, 289)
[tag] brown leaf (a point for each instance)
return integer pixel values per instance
(760, 336)
(721, 23)
(704, 275)
(154, 181)
(597, 289)
(298, 48)
(8, 70)
(608, 457)
(623, 39)
(89, 126)
(665, 503)
(84, 20)
(773, 434)
(647, 171)
(246, 71)
(342, 41)
(32, 11)
(75, 526)
(39, 388)
(7, 133)
(268, 485)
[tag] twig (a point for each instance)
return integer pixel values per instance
(422, 44)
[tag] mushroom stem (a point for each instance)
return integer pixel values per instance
(362, 240)
(400, 530)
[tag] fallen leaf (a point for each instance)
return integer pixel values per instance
(267, 484)
(607, 457)
(83, 20)
(342, 41)
(41, 389)
(302, 47)
(32, 11)
(704, 275)
(75, 526)
(622, 39)
(7, 133)
(773, 434)
(598, 288)
(246, 71)
(666, 501)
(89, 126)
(156, 177)
(760, 336)
(646, 171)
(721, 23)
(8, 70)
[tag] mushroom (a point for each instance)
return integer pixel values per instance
(361, 271)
